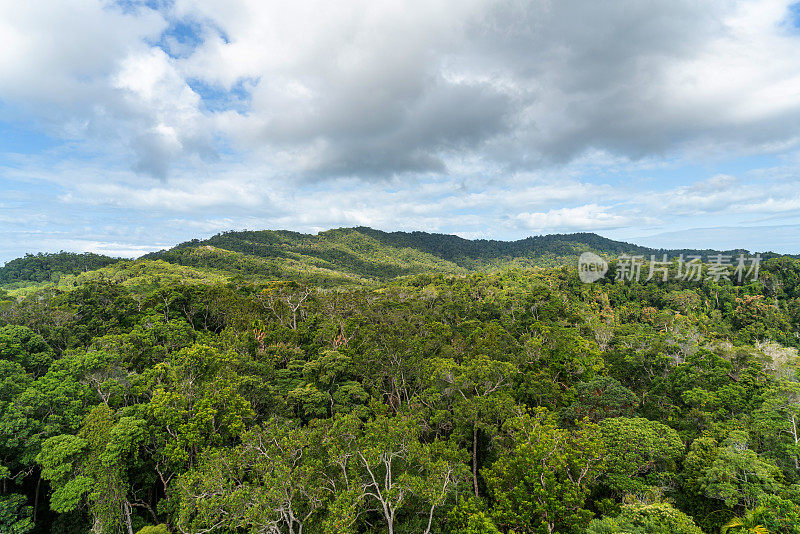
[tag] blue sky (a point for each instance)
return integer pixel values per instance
(127, 127)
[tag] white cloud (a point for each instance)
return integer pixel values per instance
(62, 52)
(373, 88)
(172, 125)
(721, 194)
(589, 217)
(86, 71)
(181, 195)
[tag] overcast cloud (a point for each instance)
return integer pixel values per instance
(129, 125)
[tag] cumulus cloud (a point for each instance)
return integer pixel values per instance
(169, 123)
(87, 72)
(363, 88)
(376, 89)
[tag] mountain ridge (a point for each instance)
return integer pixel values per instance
(371, 254)
(353, 255)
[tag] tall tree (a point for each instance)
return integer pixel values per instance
(542, 479)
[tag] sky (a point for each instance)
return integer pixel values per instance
(128, 126)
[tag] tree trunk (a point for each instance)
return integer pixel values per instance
(475, 458)
(796, 440)
(127, 508)
(36, 498)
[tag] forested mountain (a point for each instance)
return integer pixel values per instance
(358, 255)
(361, 382)
(46, 267)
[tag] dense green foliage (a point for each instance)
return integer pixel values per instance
(49, 267)
(154, 397)
(362, 255)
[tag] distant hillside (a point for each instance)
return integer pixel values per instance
(355, 255)
(344, 256)
(472, 253)
(45, 267)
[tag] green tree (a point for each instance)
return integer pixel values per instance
(273, 481)
(195, 403)
(471, 516)
(653, 518)
(749, 523)
(541, 480)
(600, 398)
(391, 471)
(738, 476)
(93, 466)
(21, 345)
(15, 516)
(640, 452)
(477, 396)
(779, 419)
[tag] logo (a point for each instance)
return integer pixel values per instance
(591, 267)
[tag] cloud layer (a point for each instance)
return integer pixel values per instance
(489, 118)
